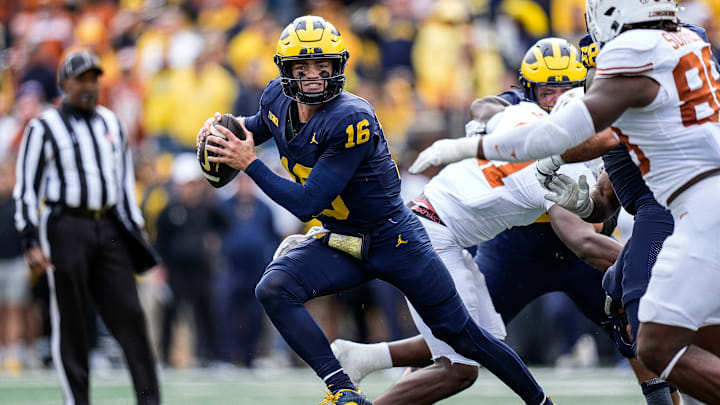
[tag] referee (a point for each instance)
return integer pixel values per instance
(80, 223)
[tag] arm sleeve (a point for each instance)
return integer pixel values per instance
(326, 181)
(30, 170)
(546, 137)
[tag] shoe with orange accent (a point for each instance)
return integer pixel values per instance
(346, 397)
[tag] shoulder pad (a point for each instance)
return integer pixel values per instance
(631, 53)
(482, 109)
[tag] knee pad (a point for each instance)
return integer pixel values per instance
(465, 341)
(278, 286)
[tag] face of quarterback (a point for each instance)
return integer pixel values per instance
(312, 69)
(548, 95)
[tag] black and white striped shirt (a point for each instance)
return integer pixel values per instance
(74, 160)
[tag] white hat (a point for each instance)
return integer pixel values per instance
(185, 168)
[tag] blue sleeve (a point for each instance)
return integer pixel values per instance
(328, 178)
(257, 123)
(703, 34)
(514, 96)
(260, 131)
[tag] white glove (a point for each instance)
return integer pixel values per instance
(546, 168)
(571, 195)
(292, 241)
(445, 151)
(475, 128)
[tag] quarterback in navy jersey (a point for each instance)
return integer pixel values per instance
(344, 142)
(332, 144)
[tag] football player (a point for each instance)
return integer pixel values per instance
(622, 185)
(475, 201)
(332, 144)
(658, 88)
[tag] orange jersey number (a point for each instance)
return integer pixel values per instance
(701, 88)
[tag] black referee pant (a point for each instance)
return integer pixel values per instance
(92, 261)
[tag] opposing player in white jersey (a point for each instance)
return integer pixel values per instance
(659, 91)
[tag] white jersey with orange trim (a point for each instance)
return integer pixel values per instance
(478, 199)
(677, 136)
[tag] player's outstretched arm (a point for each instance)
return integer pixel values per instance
(582, 239)
(606, 100)
(594, 147)
(550, 136)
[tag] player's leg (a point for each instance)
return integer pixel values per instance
(430, 384)
(360, 359)
(452, 372)
(510, 264)
(308, 271)
(653, 224)
(682, 296)
(114, 291)
(419, 273)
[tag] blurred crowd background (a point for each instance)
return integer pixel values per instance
(171, 64)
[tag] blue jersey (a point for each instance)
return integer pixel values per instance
(358, 185)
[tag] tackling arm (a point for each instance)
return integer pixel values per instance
(581, 238)
(594, 147)
(605, 102)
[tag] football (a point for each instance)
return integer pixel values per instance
(218, 174)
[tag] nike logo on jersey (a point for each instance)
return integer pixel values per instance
(400, 241)
(313, 139)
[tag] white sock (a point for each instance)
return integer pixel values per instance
(379, 355)
(359, 359)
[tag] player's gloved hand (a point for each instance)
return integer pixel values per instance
(475, 128)
(572, 195)
(292, 241)
(546, 168)
(445, 151)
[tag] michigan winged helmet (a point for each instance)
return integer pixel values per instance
(311, 37)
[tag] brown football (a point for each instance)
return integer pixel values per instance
(218, 174)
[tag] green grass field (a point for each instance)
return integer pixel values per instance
(300, 386)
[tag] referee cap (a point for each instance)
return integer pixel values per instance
(77, 63)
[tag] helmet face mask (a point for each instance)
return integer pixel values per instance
(551, 62)
(311, 38)
(606, 19)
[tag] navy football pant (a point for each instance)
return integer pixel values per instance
(402, 255)
(526, 262)
(631, 274)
